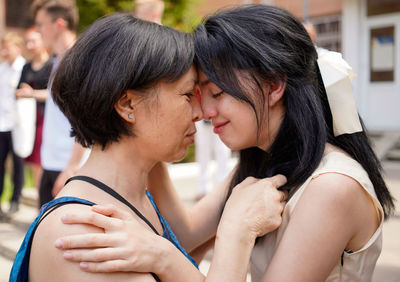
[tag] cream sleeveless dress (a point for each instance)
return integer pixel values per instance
(357, 266)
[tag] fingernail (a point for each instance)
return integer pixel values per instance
(68, 255)
(59, 243)
(84, 265)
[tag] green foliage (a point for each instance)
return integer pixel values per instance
(190, 155)
(179, 14)
(8, 186)
(91, 10)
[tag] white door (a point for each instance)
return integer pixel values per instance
(380, 72)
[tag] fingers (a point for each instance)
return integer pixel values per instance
(96, 255)
(25, 85)
(284, 195)
(278, 180)
(92, 218)
(91, 240)
(248, 181)
(111, 210)
(105, 267)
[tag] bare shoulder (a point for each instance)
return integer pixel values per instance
(342, 199)
(47, 262)
(336, 188)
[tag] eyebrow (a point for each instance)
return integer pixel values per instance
(192, 82)
(204, 82)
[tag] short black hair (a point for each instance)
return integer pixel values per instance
(115, 54)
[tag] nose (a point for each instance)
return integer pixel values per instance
(208, 107)
(197, 112)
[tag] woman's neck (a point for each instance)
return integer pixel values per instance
(119, 168)
(39, 60)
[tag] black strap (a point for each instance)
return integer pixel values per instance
(56, 207)
(114, 194)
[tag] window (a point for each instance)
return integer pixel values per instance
(17, 13)
(379, 7)
(328, 32)
(382, 54)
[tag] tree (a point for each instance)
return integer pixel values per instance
(179, 14)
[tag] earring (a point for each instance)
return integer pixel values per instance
(130, 116)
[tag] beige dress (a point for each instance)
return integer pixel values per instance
(357, 266)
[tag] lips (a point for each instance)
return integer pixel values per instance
(192, 133)
(219, 126)
(190, 136)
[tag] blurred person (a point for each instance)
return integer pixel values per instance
(149, 10)
(10, 72)
(33, 84)
(56, 21)
(208, 144)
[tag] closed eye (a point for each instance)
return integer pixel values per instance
(216, 95)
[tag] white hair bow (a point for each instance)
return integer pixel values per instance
(336, 75)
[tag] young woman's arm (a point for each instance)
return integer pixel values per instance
(197, 225)
(333, 214)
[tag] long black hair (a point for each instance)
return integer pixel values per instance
(271, 45)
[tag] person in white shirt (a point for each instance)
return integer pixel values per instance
(11, 50)
(56, 21)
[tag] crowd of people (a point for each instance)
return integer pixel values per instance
(132, 90)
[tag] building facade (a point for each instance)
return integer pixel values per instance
(371, 44)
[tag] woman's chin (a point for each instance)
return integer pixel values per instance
(177, 157)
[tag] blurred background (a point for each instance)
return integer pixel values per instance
(366, 32)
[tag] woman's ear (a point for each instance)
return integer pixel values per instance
(125, 106)
(275, 92)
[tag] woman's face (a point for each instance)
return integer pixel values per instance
(10, 51)
(233, 120)
(34, 43)
(164, 124)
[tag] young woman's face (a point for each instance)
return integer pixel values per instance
(233, 120)
(165, 123)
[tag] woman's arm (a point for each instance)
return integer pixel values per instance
(26, 91)
(333, 214)
(197, 225)
(253, 209)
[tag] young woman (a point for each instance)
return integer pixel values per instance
(33, 84)
(262, 89)
(127, 88)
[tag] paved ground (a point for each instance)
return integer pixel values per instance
(184, 176)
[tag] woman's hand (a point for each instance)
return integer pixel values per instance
(25, 91)
(255, 206)
(253, 209)
(126, 245)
